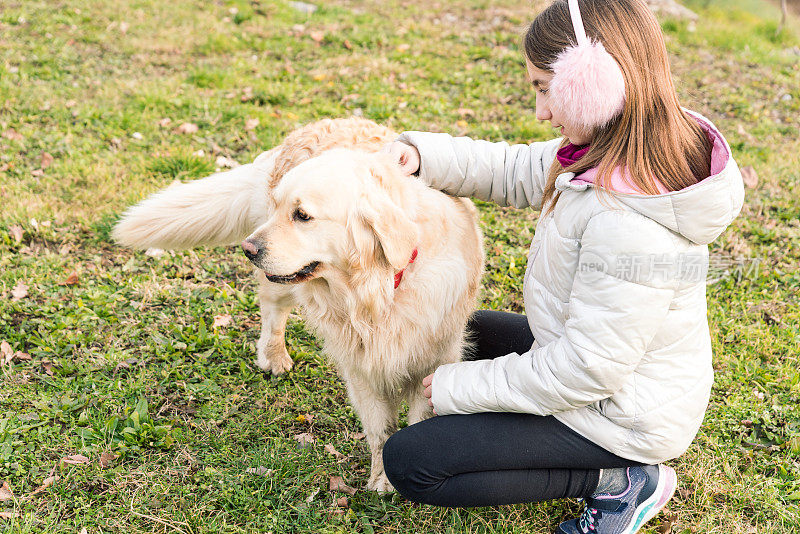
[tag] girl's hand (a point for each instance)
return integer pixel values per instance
(405, 155)
(427, 383)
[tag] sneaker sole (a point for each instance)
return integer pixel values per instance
(667, 483)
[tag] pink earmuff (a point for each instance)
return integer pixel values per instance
(587, 88)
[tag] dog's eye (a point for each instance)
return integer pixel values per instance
(300, 215)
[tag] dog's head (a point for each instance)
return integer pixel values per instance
(336, 215)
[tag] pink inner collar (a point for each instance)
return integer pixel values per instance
(570, 154)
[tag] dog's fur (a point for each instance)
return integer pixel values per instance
(366, 220)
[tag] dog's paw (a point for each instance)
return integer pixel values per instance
(380, 484)
(276, 363)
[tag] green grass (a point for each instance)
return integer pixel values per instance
(139, 370)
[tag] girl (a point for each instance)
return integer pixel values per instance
(608, 374)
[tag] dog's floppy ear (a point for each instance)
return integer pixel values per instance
(392, 230)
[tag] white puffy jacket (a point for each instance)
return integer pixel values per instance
(614, 293)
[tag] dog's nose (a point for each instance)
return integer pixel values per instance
(252, 247)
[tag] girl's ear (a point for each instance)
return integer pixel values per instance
(588, 86)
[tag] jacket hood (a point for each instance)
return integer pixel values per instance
(700, 212)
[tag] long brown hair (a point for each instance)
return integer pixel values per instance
(653, 138)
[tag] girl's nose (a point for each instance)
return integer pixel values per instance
(542, 109)
(543, 113)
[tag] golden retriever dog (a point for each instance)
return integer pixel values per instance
(385, 269)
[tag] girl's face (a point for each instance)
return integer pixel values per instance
(540, 79)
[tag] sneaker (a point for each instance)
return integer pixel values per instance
(649, 489)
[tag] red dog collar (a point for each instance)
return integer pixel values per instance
(399, 276)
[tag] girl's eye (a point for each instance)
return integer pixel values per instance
(542, 90)
(300, 215)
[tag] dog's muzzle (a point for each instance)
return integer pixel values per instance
(306, 273)
(255, 251)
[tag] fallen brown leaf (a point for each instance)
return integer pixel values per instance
(337, 484)
(49, 481)
(771, 318)
(16, 232)
(5, 352)
(251, 124)
(222, 320)
(248, 323)
(21, 356)
(75, 459)
(666, 523)
(260, 471)
(37, 172)
(166, 121)
(45, 160)
(187, 128)
(342, 502)
(305, 439)
(9, 515)
(12, 134)
(357, 435)
(338, 455)
(744, 133)
(19, 292)
(5, 492)
(347, 44)
(225, 162)
(317, 36)
(47, 365)
(750, 177)
(107, 458)
(71, 280)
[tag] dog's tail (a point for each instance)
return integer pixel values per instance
(221, 209)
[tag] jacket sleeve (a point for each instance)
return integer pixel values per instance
(509, 175)
(613, 314)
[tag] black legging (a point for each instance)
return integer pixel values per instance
(489, 459)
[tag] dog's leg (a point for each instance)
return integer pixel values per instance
(276, 302)
(379, 418)
(418, 408)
